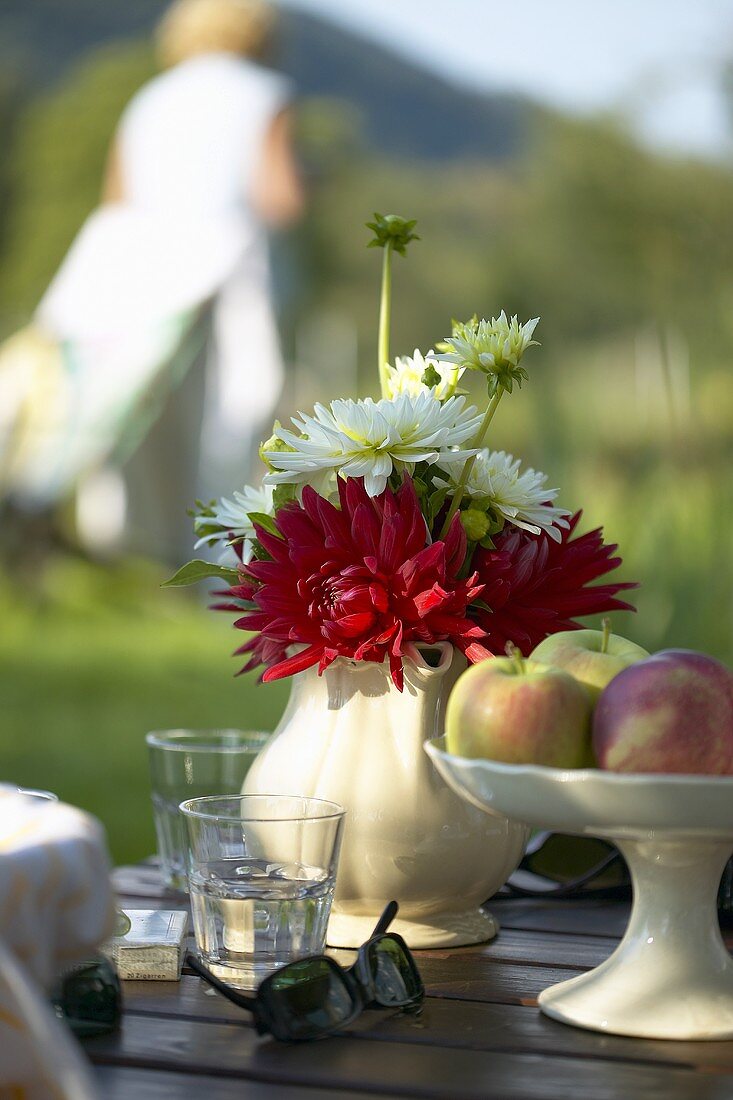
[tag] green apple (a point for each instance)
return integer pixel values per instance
(519, 712)
(593, 657)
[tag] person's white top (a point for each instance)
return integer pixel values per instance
(185, 236)
(189, 142)
(191, 138)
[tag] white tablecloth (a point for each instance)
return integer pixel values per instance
(56, 907)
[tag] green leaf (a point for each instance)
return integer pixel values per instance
(201, 509)
(283, 494)
(435, 502)
(421, 488)
(259, 553)
(198, 570)
(266, 522)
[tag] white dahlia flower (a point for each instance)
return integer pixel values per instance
(230, 520)
(495, 482)
(370, 439)
(408, 372)
(494, 347)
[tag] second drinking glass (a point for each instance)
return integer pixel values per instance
(188, 763)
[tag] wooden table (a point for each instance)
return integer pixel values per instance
(480, 1034)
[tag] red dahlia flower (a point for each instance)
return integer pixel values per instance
(357, 582)
(535, 586)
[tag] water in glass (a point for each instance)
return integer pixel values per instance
(252, 916)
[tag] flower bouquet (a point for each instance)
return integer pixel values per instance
(387, 546)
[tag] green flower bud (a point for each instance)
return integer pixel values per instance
(475, 523)
(272, 444)
(392, 229)
(430, 377)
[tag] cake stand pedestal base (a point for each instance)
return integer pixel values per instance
(671, 976)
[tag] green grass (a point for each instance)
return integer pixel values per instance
(93, 658)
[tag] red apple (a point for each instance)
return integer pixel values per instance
(592, 656)
(519, 712)
(672, 712)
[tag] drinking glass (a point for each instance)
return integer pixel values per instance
(261, 875)
(185, 764)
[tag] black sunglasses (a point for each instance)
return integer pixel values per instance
(314, 997)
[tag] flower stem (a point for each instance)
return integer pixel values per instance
(385, 312)
(468, 464)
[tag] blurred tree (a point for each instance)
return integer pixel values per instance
(608, 236)
(50, 36)
(56, 168)
(10, 99)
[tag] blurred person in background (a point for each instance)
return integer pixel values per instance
(160, 358)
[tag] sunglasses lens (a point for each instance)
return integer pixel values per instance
(395, 977)
(310, 998)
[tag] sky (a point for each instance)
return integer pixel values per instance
(657, 62)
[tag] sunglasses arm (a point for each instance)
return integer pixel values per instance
(389, 914)
(242, 1000)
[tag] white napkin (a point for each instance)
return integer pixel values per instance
(56, 907)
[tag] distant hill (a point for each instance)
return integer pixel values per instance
(405, 108)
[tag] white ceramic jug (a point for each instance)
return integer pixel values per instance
(351, 737)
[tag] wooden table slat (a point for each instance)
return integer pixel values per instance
(386, 1067)
(124, 1083)
(465, 1024)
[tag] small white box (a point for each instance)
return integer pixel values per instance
(153, 947)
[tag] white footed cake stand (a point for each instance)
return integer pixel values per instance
(671, 977)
